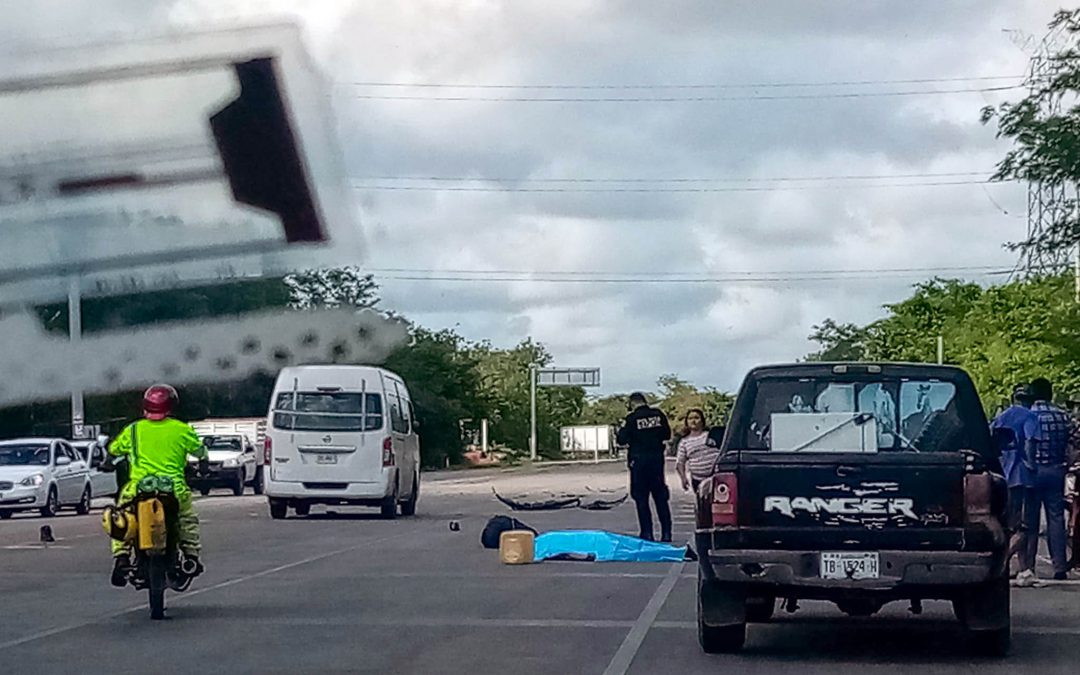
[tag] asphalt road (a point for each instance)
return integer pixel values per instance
(352, 593)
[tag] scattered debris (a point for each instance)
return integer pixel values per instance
(46, 535)
(563, 501)
(546, 505)
(455, 526)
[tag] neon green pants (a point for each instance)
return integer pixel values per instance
(188, 520)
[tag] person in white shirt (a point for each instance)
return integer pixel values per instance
(697, 453)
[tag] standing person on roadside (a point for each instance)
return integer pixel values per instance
(1058, 439)
(1013, 430)
(697, 451)
(644, 432)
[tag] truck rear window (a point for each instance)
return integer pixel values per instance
(328, 411)
(908, 414)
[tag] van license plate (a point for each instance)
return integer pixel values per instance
(850, 565)
(326, 459)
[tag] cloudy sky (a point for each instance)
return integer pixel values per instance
(666, 233)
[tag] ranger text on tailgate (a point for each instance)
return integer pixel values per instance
(859, 484)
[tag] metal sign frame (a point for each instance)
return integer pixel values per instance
(572, 377)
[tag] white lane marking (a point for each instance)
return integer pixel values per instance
(40, 635)
(441, 622)
(1017, 630)
(34, 547)
(620, 663)
(511, 576)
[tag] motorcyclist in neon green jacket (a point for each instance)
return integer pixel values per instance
(159, 445)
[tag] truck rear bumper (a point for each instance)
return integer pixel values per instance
(798, 573)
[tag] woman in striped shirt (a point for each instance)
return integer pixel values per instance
(697, 454)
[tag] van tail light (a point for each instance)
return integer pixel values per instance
(268, 451)
(388, 452)
(718, 499)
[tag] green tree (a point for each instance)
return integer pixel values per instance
(1045, 129)
(505, 377)
(1001, 335)
(603, 409)
(677, 396)
(839, 342)
(444, 380)
(331, 287)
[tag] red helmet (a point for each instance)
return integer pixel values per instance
(158, 402)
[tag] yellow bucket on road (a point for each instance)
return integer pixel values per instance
(517, 547)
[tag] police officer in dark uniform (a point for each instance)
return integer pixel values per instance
(644, 432)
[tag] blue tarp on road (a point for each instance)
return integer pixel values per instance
(605, 546)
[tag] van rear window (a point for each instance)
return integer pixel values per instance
(326, 411)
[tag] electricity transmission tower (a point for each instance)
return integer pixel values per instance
(1048, 202)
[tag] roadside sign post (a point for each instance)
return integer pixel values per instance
(555, 377)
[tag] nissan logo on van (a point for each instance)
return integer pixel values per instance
(327, 438)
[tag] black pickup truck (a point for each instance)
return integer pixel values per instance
(859, 484)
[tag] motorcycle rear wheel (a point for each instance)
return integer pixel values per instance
(156, 588)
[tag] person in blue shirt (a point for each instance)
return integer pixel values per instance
(1048, 457)
(1013, 430)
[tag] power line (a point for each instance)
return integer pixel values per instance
(727, 274)
(654, 280)
(685, 99)
(775, 179)
(587, 190)
(728, 85)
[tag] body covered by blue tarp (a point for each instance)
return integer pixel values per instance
(605, 546)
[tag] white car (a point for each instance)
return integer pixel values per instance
(102, 484)
(342, 435)
(42, 474)
(232, 465)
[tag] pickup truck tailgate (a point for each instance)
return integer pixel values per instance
(809, 501)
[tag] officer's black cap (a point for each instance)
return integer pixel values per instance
(638, 397)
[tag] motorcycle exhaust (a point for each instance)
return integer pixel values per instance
(188, 567)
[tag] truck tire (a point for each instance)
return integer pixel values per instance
(302, 508)
(717, 639)
(759, 609)
(279, 508)
(987, 603)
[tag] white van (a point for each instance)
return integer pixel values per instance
(341, 435)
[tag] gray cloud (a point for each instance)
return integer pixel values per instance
(709, 333)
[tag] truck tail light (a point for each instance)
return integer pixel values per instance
(388, 452)
(268, 451)
(717, 501)
(978, 489)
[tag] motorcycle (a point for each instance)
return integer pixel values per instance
(150, 525)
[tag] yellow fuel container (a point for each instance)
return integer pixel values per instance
(517, 547)
(152, 530)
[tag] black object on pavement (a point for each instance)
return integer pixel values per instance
(496, 525)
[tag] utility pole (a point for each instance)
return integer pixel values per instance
(532, 411)
(940, 350)
(78, 418)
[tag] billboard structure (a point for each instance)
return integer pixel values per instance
(555, 377)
